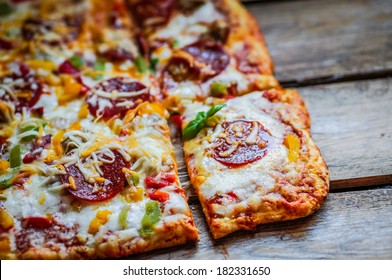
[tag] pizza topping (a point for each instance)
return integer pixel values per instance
(141, 65)
(210, 57)
(219, 199)
(293, 143)
(23, 89)
(101, 218)
(37, 149)
(6, 221)
(153, 13)
(240, 142)
(15, 157)
(5, 9)
(122, 217)
(68, 67)
(116, 96)
(159, 195)
(160, 181)
(133, 178)
(117, 55)
(177, 120)
(218, 89)
(151, 217)
(95, 190)
(30, 129)
(218, 31)
(5, 44)
(180, 69)
(37, 222)
(201, 121)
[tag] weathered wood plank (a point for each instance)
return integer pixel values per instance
(330, 40)
(350, 225)
(351, 124)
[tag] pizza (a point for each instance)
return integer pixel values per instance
(254, 161)
(87, 166)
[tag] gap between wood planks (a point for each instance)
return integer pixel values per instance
(337, 78)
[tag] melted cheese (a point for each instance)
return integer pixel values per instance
(252, 181)
(187, 29)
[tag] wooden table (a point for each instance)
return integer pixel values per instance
(339, 55)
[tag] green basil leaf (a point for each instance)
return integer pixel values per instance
(5, 9)
(15, 157)
(201, 121)
(215, 109)
(140, 64)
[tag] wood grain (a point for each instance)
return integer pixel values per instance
(351, 124)
(327, 40)
(350, 225)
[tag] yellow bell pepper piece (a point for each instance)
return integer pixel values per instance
(71, 89)
(293, 144)
(41, 64)
(6, 221)
(100, 219)
(4, 165)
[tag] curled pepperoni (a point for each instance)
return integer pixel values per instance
(26, 89)
(151, 12)
(242, 142)
(210, 60)
(112, 172)
(116, 96)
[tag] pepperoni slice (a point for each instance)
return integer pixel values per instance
(210, 61)
(242, 142)
(85, 191)
(153, 13)
(25, 87)
(116, 96)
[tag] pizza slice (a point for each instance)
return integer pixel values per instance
(252, 160)
(203, 48)
(87, 169)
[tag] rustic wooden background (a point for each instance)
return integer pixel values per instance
(339, 54)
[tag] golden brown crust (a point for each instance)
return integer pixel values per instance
(172, 234)
(244, 28)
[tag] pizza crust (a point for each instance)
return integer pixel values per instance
(171, 234)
